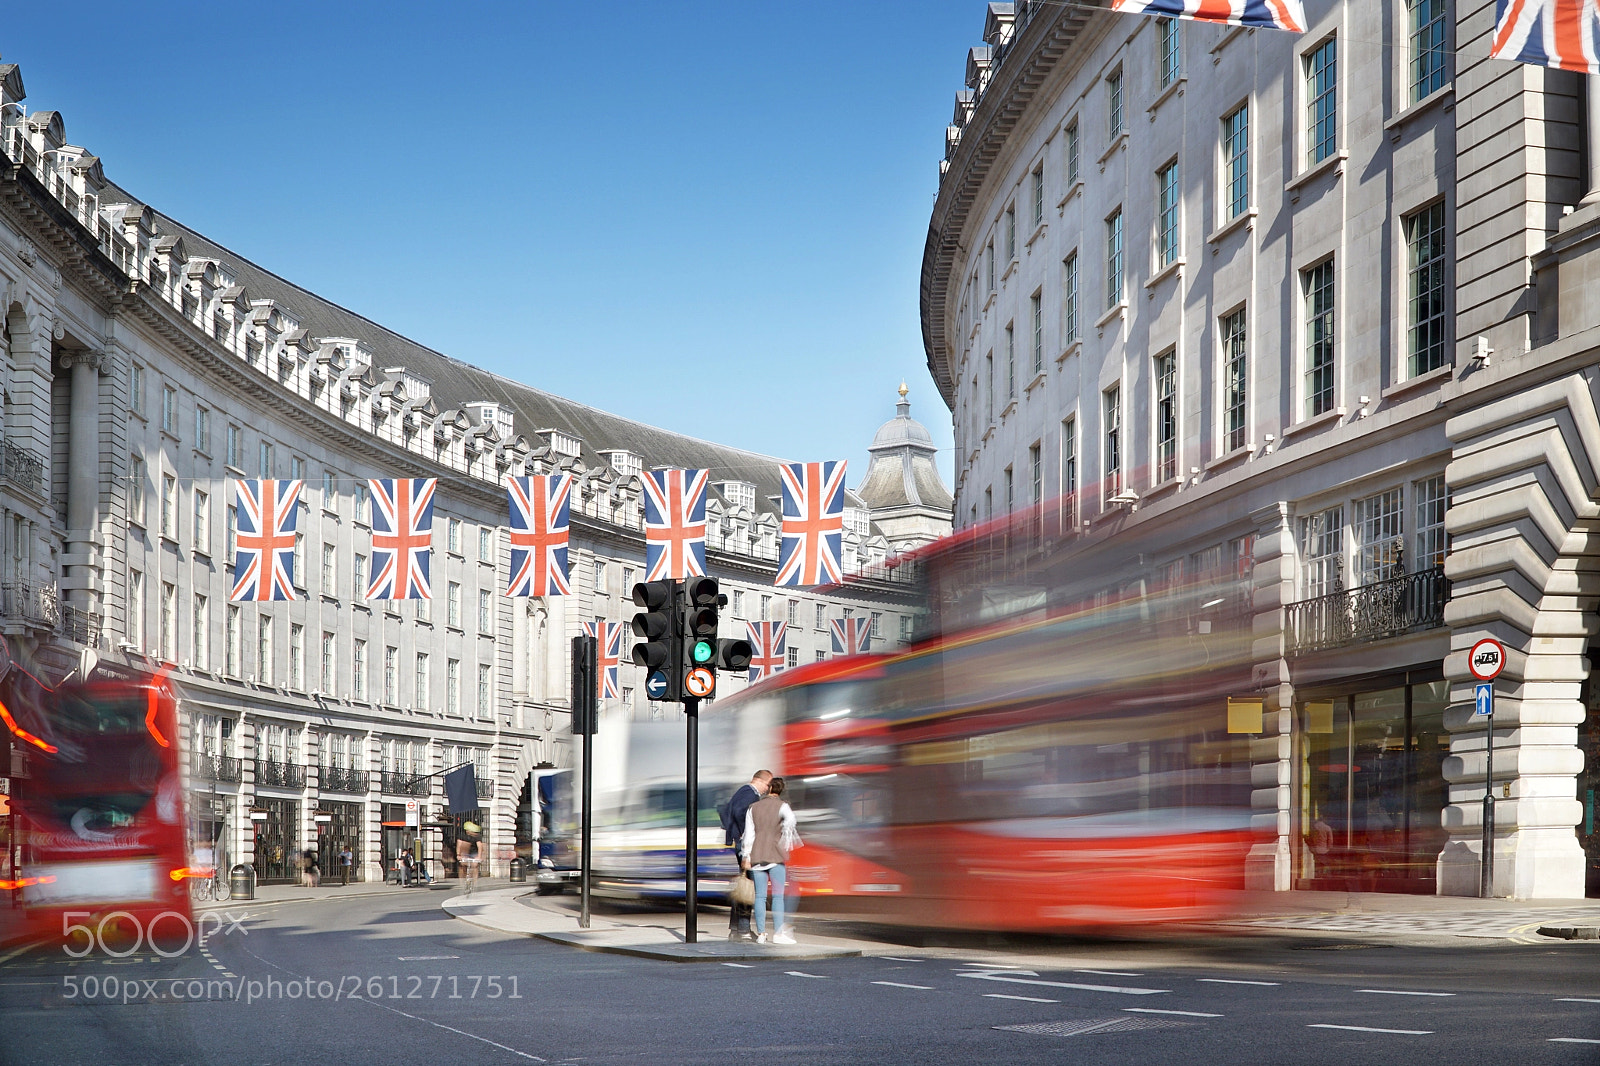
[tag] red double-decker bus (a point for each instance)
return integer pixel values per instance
(100, 817)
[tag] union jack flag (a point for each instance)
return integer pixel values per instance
(402, 538)
(1270, 14)
(608, 657)
(851, 636)
(675, 524)
(263, 562)
(767, 639)
(539, 526)
(1549, 33)
(813, 523)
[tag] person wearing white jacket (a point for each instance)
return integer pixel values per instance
(769, 836)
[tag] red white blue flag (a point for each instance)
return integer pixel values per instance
(263, 562)
(1269, 14)
(674, 524)
(1549, 33)
(813, 523)
(768, 640)
(540, 520)
(402, 538)
(851, 636)
(608, 657)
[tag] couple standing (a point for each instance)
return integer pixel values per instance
(763, 827)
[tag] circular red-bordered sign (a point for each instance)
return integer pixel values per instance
(1487, 659)
(700, 682)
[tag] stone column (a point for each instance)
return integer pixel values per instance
(81, 579)
(1270, 865)
(1591, 107)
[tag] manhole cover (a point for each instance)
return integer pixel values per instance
(1085, 1026)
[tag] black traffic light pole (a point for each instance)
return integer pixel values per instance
(691, 884)
(585, 721)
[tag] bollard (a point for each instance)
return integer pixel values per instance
(242, 882)
(519, 871)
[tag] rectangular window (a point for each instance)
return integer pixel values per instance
(822, 616)
(358, 670)
(169, 622)
(169, 507)
(1114, 102)
(1036, 312)
(793, 659)
(202, 429)
(989, 251)
(1168, 42)
(453, 537)
(358, 577)
(485, 544)
(330, 495)
(424, 610)
(905, 628)
(989, 386)
(297, 567)
(1426, 323)
(235, 455)
(1428, 26)
(231, 534)
(363, 495)
(136, 388)
(330, 570)
(1069, 299)
(264, 650)
(419, 682)
(1011, 362)
(328, 681)
(1432, 499)
(1072, 155)
(1318, 286)
(485, 611)
(1322, 105)
(232, 637)
(877, 623)
(1038, 196)
(1112, 404)
(452, 604)
(1035, 474)
(200, 639)
(738, 603)
(1069, 456)
(297, 656)
(988, 502)
(1010, 490)
(452, 686)
(1114, 259)
(267, 466)
(1011, 233)
(391, 676)
(202, 522)
(1322, 546)
(1235, 382)
(136, 491)
(297, 468)
(1167, 214)
(484, 691)
(793, 615)
(1379, 537)
(1236, 161)
(1166, 413)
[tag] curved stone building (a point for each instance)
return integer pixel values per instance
(903, 491)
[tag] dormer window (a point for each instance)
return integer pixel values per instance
(625, 463)
(565, 444)
(738, 494)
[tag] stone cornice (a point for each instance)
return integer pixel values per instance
(71, 243)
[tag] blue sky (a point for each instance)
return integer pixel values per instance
(639, 206)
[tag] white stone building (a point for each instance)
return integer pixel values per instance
(1309, 307)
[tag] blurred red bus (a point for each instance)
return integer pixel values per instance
(100, 817)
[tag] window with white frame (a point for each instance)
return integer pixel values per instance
(1428, 26)
(1069, 298)
(298, 564)
(485, 611)
(485, 544)
(136, 388)
(169, 621)
(1322, 548)
(1035, 473)
(1111, 406)
(1236, 162)
(793, 615)
(822, 616)
(792, 658)
(169, 507)
(266, 465)
(485, 691)
(419, 681)
(1038, 196)
(200, 638)
(358, 578)
(1235, 382)
(1167, 214)
(1168, 44)
(358, 670)
(1072, 154)
(232, 639)
(1011, 232)
(453, 536)
(1069, 457)
(327, 679)
(202, 428)
(330, 569)
(1432, 499)
(1011, 362)
(363, 497)
(264, 650)
(1426, 272)
(136, 490)
(1322, 104)
(202, 522)
(391, 676)
(1010, 489)
(1114, 103)
(297, 656)
(452, 604)
(1318, 286)
(1114, 273)
(452, 686)
(1379, 546)
(235, 448)
(1166, 415)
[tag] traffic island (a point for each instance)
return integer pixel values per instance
(1571, 932)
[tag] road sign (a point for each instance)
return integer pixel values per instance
(411, 814)
(1487, 659)
(1485, 699)
(700, 682)
(655, 686)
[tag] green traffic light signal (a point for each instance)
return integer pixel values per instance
(703, 651)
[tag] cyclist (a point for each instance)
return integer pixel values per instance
(467, 847)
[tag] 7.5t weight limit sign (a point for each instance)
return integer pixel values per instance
(1487, 659)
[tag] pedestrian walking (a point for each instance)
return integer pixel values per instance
(732, 815)
(313, 871)
(345, 862)
(405, 869)
(769, 836)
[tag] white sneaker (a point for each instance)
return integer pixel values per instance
(763, 938)
(784, 937)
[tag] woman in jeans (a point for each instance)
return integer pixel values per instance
(769, 835)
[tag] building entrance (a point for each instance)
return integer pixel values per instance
(277, 854)
(1371, 788)
(343, 830)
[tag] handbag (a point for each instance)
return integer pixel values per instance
(743, 890)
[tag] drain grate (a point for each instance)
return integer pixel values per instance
(1086, 1026)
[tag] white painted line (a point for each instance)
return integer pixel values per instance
(740, 965)
(1400, 992)
(1226, 981)
(458, 1032)
(1185, 1013)
(426, 958)
(991, 976)
(1575, 1000)
(897, 984)
(1571, 1040)
(1368, 1029)
(896, 958)
(1024, 999)
(1110, 973)
(797, 973)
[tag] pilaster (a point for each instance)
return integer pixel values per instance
(1269, 864)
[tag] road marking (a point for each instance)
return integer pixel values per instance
(1571, 1040)
(426, 958)
(991, 976)
(1573, 1000)
(896, 958)
(1024, 999)
(1185, 1013)
(897, 984)
(1227, 981)
(740, 965)
(1400, 992)
(1368, 1029)
(797, 973)
(1110, 973)
(458, 1032)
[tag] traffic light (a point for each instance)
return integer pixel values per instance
(659, 628)
(585, 700)
(701, 598)
(734, 653)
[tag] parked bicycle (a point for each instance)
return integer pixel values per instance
(208, 883)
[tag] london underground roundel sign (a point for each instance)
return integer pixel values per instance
(1487, 659)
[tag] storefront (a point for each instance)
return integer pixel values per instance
(399, 834)
(1370, 785)
(340, 829)
(211, 830)
(277, 842)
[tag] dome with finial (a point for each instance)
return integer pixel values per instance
(902, 430)
(903, 489)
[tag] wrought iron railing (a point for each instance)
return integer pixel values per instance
(340, 779)
(37, 603)
(485, 788)
(280, 774)
(22, 467)
(215, 767)
(80, 625)
(397, 784)
(1376, 611)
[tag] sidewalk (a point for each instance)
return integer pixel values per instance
(269, 895)
(1384, 914)
(518, 910)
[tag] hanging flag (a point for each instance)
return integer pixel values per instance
(608, 658)
(1269, 14)
(540, 520)
(767, 639)
(461, 789)
(263, 562)
(1548, 33)
(674, 524)
(402, 538)
(813, 523)
(851, 636)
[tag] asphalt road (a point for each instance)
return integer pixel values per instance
(392, 981)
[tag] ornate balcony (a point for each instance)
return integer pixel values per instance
(80, 625)
(23, 468)
(340, 779)
(37, 604)
(398, 784)
(485, 788)
(280, 774)
(1376, 611)
(206, 767)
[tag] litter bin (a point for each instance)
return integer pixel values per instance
(519, 870)
(242, 881)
